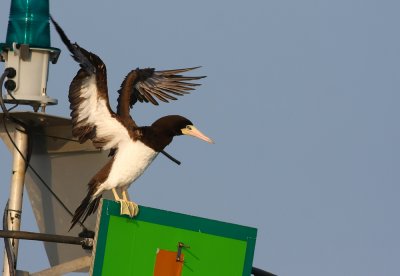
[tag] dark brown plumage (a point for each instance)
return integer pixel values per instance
(89, 206)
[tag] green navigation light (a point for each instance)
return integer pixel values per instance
(29, 23)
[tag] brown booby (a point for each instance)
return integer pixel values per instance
(133, 147)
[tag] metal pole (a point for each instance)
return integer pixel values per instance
(16, 190)
(24, 235)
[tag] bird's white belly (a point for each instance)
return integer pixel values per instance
(131, 160)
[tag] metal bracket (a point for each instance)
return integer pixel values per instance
(178, 255)
(24, 51)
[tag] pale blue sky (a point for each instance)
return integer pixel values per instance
(302, 100)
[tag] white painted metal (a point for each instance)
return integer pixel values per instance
(16, 190)
(31, 78)
(66, 166)
(61, 269)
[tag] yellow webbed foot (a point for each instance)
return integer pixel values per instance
(129, 208)
(133, 208)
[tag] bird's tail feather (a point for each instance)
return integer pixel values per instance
(87, 207)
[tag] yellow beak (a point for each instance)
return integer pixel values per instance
(192, 131)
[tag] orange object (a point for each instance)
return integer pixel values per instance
(167, 265)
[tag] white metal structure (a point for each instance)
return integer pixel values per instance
(31, 65)
(65, 165)
(16, 189)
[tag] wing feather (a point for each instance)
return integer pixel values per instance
(92, 117)
(147, 85)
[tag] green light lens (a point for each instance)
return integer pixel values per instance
(29, 23)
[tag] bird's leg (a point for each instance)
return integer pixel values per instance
(123, 203)
(132, 206)
(125, 195)
(116, 196)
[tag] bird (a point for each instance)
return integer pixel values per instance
(132, 148)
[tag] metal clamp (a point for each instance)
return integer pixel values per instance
(178, 255)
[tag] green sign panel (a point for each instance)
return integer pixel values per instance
(163, 243)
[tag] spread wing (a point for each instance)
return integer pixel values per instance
(148, 85)
(92, 117)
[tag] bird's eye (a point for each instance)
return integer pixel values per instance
(189, 127)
